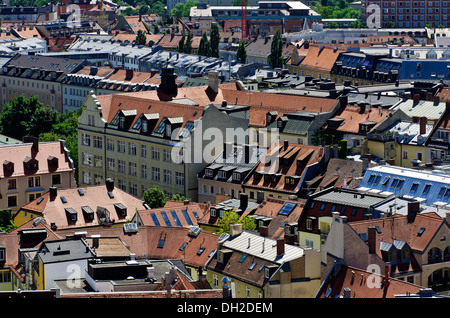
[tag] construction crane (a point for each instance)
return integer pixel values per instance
(244, 30)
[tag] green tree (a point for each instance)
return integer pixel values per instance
(180, 47)
(155, 29)
(179, 197)
(241, 53)
(215, 40)
(42, 121)
(333, 25)
(232, 217)
(154, 197)
(342, 150)
(6, 223)
(144, 9)
(275, 59)
(204, 46)
(188, 44)
(15, 120)
(141, 38)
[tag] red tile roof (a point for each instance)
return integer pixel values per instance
(20, 152)
(53, 210)
(290, 162)
(357, 280)
(321, 57)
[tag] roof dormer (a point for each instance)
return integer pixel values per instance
(8, 168)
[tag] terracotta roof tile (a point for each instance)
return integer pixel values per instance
(19, 152)
(291, 162)
(321, 57)
(356, 280)
(54, 210)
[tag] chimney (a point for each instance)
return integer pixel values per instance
(280, 247)
(436, 99)
(186, 202)
(128, 74)
(447, 106)
(168, 84)
(422, 125)
(34, 141)
(343, 101)
(413, 209)
(109, 184)
(429, 96)
(347, 292)
(447, 216)
(386, 275)
(416, 98)
(244, 201)
(150, 274)
(53, 193)
(264, 231)
(286, 144)
(95, 241)
(235, 229)
(213, 81)
(372, 239)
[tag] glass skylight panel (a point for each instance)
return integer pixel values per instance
(63, 200)
(243, 257)
(166, 219)
(175, 217)
(183, 246)
(287, 208)
(161, 126)
(155, 219)
(186, 216)
(252, 266)
(200, 251)
(421, 231)
(327, 294)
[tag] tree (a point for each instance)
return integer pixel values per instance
(241, 53)
(215, 40)
(275, 59)
(232, 217)
(342, 150)
(42, 121)
(144, 9)
(16, 117)
(204, 46)
(180, 47)
(333, 25)
(6, 223)
(179, 197)
(154, 197)
(155, 29)
(188, 44)
(141, 38)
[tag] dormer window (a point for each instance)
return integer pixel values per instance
(222, 174)
(208, 173)
(144, 126)
(122, 122)
(236, 176)
(52, 163)
(30, 164)
(213, 212)
(8, 168)
(168, 130)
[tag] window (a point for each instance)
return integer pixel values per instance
(167, 176)
(98, 142)
(12, 201)
(132, 169)
(132, 148)
(404, 154)
(120, 146)
(155, 153)
(167, 155)
(12, 184)
(179, 179)
(144, 151)
(426, 189)
(121, 166)
(144, 171)
(56, 179)
(414, 187)
(155, 174)
(86, 139)
(109, 144)
(322, 206)
(309, 224)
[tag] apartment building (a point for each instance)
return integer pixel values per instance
(409, 14)
(128, 137)
(41, 76)
(30, 169)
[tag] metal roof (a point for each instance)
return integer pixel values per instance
(262, 247)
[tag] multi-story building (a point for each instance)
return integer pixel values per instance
(261, 267)
(30, 169)
(408, 14)
(40, 76)
(129, 138)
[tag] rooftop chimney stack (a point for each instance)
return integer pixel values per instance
(213, 81)
(413, 209)
(280, 247)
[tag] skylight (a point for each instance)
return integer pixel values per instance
(421, 231)
(166, 219)
(243, 257)
(175, 217)
(252, 266)
(287, 208)
(155, 220)
(186, 216)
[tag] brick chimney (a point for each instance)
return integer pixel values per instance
(423, 125)
(416, 98)
(413, 209)
(280, 247)
(372, 239)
